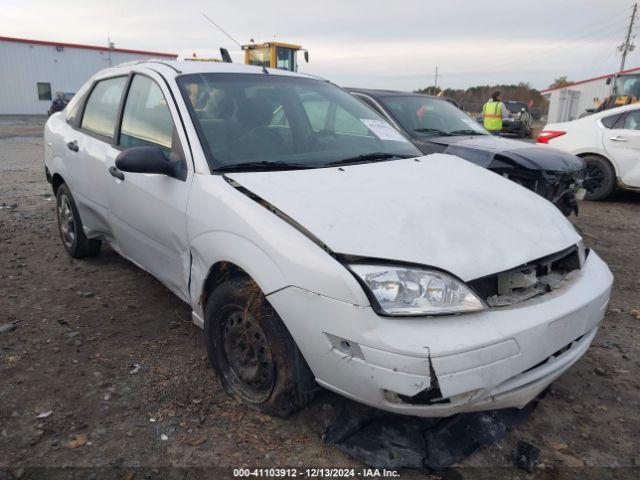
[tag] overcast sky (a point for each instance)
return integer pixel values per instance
(386, 44)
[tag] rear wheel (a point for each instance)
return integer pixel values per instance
(72, 234)
(600, 178)
(251, 350)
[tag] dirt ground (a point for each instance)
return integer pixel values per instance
(105, 371)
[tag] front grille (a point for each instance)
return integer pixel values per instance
(528, 280)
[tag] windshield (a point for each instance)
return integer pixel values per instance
(516, 107)
(259, 56)
(431, 117)
(249, 118)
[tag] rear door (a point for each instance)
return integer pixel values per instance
(622, 143)
(91, 151)
(147, 211)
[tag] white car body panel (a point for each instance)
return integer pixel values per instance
(588, 135)
(624, 146)
(439, 211)
(226, 225)
(147, 214)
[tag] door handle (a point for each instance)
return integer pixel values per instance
(116, 173)
(73, 145)
(618, 139)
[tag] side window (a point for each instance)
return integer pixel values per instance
(44, 91)
(73, 112)
(344, 122)
(611, 120)
(146, 119)
(316, 109)
(101, 109)
(279, 118)
(284, 58)
(632, 120)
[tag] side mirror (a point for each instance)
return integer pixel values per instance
(306, 56)
(608, 82)
(224, 53)
(150, 160)
(523, 109)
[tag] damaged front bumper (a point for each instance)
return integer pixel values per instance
(434, 367)
(515, 126)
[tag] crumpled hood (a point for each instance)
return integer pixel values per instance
(481, 149)
(440, 211)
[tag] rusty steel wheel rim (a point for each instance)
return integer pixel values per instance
(248, 355)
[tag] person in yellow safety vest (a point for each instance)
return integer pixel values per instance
(493, 112)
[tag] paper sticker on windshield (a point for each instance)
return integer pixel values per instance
(473, 124)
(383, 130)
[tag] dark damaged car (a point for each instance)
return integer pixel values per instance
(437, 126)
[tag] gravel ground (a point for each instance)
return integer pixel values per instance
(105, 376)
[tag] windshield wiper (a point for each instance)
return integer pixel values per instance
(432, 130)
(466, 132)
(367, 157)
(263, 165)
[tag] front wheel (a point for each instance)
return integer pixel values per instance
(600, 178)
(251, 350)
(72, 234)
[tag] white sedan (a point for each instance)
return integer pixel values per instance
(608, 141)
(317, 246)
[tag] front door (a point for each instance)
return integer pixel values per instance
(622, 143)
(147, 211)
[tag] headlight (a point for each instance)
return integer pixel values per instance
(413, 291)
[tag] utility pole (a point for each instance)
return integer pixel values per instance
(435, 87)
(627, 46)
(111, 46)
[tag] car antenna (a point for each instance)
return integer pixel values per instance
(264, 70)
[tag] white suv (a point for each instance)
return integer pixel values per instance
(316, 246)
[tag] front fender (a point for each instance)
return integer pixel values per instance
(226, 225)
(234, 249)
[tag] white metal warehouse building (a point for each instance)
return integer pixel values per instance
(32, 71)
(568, 103)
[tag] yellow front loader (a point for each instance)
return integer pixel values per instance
(274, 55)
(625, 91)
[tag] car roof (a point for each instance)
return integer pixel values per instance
(389, 93)
(182, 67)
(613, 111)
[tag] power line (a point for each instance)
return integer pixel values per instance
(523, 57)
(557, 51)
(523, 60)
(559, 45)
